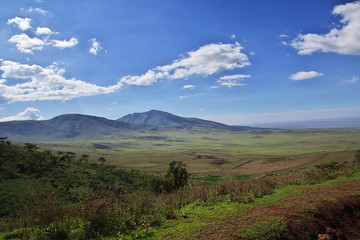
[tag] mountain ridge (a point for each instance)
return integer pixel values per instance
(165, 119)
(71, 127)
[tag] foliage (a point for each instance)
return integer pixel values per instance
(176, 176)
(27, 175)
(64, 197)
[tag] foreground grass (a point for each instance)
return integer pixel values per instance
(271, 207)
(270, 217)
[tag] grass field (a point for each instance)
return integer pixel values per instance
(219, 153)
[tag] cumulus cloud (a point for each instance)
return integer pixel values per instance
(21, 23)
(344, 40)
(207, 60)
(44, 83)
(189, 87)
(65, 43)
(29, 114)
(353, 80)
(145, 80)
(44, 31)
(305, 75)
(283, 36)
(26, 44)
(95, 46)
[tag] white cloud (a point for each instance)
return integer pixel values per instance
(29, 114)
(38, 10)
(214, 87)
(207, 60)
(235, 80)
(353, 80)
(26, 44)
(233, 36)
(235, 77)
(64, 43)
(283, 36)
(231, 83)
(44, 83)
(22, 23)
(252, 53)
(44, 31)
(144, 80)
(95, 46)
(189, 87)
(305, 75)
(345, 40)
(183, 97)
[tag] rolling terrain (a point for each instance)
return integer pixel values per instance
(206, 147)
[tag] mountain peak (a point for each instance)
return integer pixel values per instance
(165, 119)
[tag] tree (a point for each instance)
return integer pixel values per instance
(84, 157)
(30, 147)
(176, 176)
(101, 160)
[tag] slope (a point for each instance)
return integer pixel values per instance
(68, 127)
(164, 119)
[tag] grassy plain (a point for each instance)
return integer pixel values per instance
(217, 153)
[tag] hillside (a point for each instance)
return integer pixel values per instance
(165, 119)
(46, 196)
(69, 127)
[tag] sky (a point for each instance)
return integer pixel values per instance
(235, 62)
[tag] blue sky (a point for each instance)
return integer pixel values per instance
(236, 62)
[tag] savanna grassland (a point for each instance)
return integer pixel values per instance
(259, 184)
(221, 152)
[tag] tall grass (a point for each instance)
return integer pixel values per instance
(131, 215)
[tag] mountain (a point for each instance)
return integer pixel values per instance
(165, 119)
(69, 127)
(72, 127)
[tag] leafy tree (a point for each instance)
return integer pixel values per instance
(3, 139)
(30, 147)
(84, 157)
(176, 176)
(101, 160)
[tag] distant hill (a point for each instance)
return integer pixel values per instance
(348, 122)
(165, 119)
(69, 127)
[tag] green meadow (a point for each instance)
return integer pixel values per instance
(220, 152)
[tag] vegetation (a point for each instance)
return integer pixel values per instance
(176, 176)
(61, 196)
